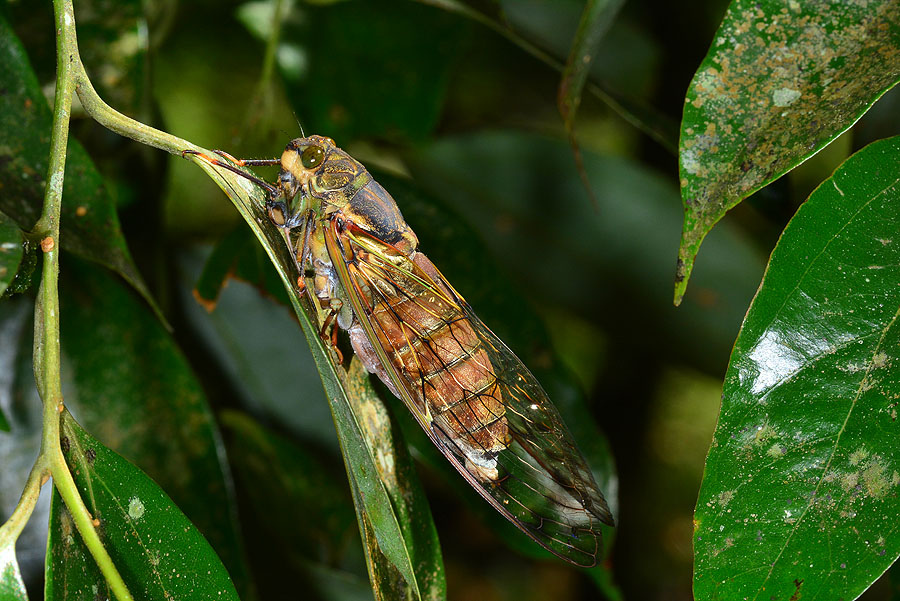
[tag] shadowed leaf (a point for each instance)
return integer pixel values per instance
(89, 224)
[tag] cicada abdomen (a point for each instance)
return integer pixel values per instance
(432, 344)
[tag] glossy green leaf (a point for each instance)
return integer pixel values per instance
(156, 549)
(780, 82)
(11, 586)
(129, 383)
(397, 568)
(12, 241)
(89, 223)
(800, 493)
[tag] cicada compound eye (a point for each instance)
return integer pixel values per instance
(312, 157)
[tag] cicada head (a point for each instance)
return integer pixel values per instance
(313, 167)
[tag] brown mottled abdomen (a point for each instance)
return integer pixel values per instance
(432, 344)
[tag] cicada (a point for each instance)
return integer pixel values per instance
(474, 398)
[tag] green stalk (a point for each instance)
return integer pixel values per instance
(47, 348)
(12, 528)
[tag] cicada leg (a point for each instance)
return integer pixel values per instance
(332, 338)
(272, 190)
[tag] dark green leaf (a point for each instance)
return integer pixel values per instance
(800, 493)
(12, 243)
(595, 21)
(396, 568)
(156, 549)
(296, 496)
(373, 69)
(89, 223)
(262, 352)
(131, 385)
(780, 82)
(238, 255)
(11, 586)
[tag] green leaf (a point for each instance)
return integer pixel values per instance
(397, 569)
(89, 223)
(12, 242)
(286, 481)
(128, 382)
(156, 549)
(800, 492)
(238, 255)
(11, 586)
(780, 82)
(264, 356)
(595, 21)
(401, 56)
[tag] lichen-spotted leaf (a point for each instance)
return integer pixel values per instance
(781, 81)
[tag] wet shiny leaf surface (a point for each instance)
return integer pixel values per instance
(156, 549)
(802, 483)
(780, 82)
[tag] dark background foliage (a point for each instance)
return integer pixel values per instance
(461, 125)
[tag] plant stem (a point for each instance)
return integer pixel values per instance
(11, 530)
(123, 125)
(47, 348)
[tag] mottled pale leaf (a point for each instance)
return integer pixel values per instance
(801, 491)
(781, 81)
(156, 549)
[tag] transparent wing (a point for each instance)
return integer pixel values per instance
(475, 399)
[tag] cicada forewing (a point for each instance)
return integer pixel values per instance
(474, 398)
